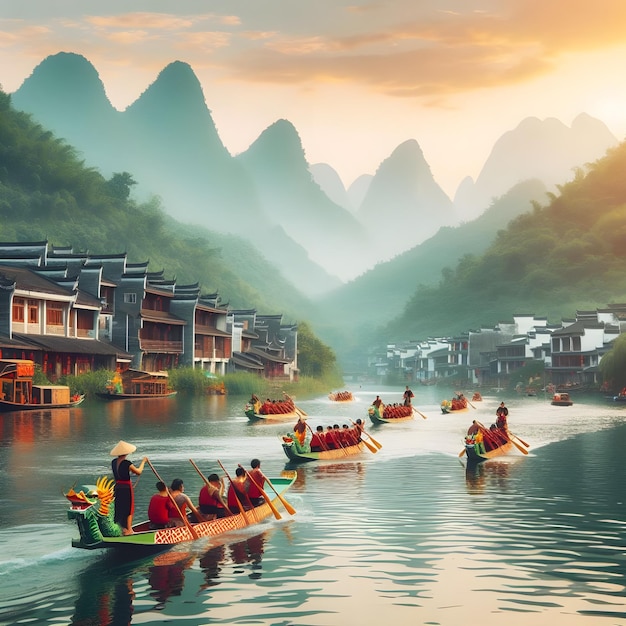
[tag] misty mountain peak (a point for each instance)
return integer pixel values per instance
(279, 145)
(175, 90)
(62, 78)
(406, 162)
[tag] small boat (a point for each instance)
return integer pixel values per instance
(91, 508)
(477, 397)
(132, 384)
(391, 414)
(341, 396)
(17, 392)
(303, 455)
(458, 404)
(561, 399)
(272, 410)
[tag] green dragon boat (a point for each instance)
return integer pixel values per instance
(92, 507)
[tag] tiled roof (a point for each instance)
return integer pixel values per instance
(70, 345)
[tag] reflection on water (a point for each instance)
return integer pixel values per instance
(492, 473)
(408, 535)
(113, 591)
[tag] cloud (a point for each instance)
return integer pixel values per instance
(441, 52)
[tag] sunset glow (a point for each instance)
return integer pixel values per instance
(356, 79)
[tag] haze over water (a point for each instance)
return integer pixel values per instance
(407, 535)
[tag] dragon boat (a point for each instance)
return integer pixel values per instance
(272, 410)
(390, 414)
(488, 443)
(481, 449)
(92, 507)
(341, 396)
(458, 404)
(302, 454)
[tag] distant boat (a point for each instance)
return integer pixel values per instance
(341, 396)
(17, 392)
(133, 384)
(561, 399)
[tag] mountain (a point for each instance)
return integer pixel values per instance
(358, 189)
(333, 237)
(543, 149)
(269, 194)
(404, 205)
(370, 300)
(169, 143)
(559, 258)
(49, 193)
(331, 184)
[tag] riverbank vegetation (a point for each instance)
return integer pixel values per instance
(552, 261)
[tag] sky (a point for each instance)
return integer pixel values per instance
(356, 79)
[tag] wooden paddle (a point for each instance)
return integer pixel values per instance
(241, 509)
(520, 440)
(194, 534)
(418, 412)
(369, 446)
(522, 450)
(277, 515)
(296, 410)
(284, 502)
(376, 443)
(209, 485)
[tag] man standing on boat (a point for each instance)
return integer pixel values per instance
(408, 394)
(122, 468)
(300, 430)
(502, 413)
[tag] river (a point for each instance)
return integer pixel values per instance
(407, 535)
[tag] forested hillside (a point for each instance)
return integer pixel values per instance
(569, 255)
(48, 192)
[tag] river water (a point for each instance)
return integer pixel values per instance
(408, 535)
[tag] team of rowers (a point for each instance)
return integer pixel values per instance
(341, 396)
(272, 407)
(493, 437)
(167, 510)
(333, 438)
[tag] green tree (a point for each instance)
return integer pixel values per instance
(315, 359)
(613, 365)
(120, 184)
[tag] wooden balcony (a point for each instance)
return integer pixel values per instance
(158, 345)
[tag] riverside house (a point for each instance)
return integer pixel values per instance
(72, 312)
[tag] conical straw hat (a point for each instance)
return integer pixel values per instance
(122, 448)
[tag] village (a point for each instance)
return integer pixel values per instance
(569, 352)
(72, 313)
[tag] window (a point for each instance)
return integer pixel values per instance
(130, 298)
(18, 309)
(54, 315)
(33, 312)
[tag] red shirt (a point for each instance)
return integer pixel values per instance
(232, 498)
(208, 499)
(316, 442)
(159, 509)
(258, 478)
